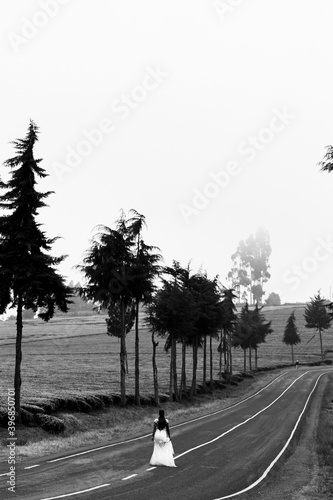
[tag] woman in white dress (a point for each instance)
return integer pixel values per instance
(163, 450)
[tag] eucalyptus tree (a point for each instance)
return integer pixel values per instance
(291, 336)
(251, 263)
(317, 317)
(27, 271)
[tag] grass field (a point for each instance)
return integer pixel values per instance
(71, 356)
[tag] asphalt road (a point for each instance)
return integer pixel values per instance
(227, 454)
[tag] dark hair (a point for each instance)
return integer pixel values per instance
(161, 424)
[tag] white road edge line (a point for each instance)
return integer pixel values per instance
(32, 466)
(6, 474)
(281, 452)
(241, 423)
(172, 427)
(77, 492)
(128, 477)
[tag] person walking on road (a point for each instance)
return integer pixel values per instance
(296, 364)
(163, 450)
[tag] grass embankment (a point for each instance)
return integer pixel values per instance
(325, 441)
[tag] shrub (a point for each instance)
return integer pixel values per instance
(77, 404)
(3, 418)
(49, 423)
(32, 408)
(28, 418)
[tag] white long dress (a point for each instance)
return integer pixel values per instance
(163, 450)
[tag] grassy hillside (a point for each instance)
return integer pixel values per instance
(74, 356)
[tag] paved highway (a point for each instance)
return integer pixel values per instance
(226, 454)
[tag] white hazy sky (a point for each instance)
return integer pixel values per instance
(212, 117)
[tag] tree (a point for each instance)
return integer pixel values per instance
(171, 315)
(257, 293)
(27, 271)
(242, 333)
(238, 275)
(316, 316)
(228, 324)
(251, 263)
(208, 316)
(114, 323)
(146, 269)
(251, 331)
(155, 372)
(291, 336)
(273, 299)
(261, 329)
(120, 269)
(108, 267)
(330, 308)
(326, 165)
(134, 227)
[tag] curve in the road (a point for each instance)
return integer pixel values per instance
(271, 465)
(244, 421)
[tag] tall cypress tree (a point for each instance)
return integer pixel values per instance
(28, 279)
(291, 336)
(316, 316)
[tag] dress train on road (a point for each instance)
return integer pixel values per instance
(163, 450)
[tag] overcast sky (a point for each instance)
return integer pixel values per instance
(208, 117)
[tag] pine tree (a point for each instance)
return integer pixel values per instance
(291, 336)
(317, 317)
(27, 272)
